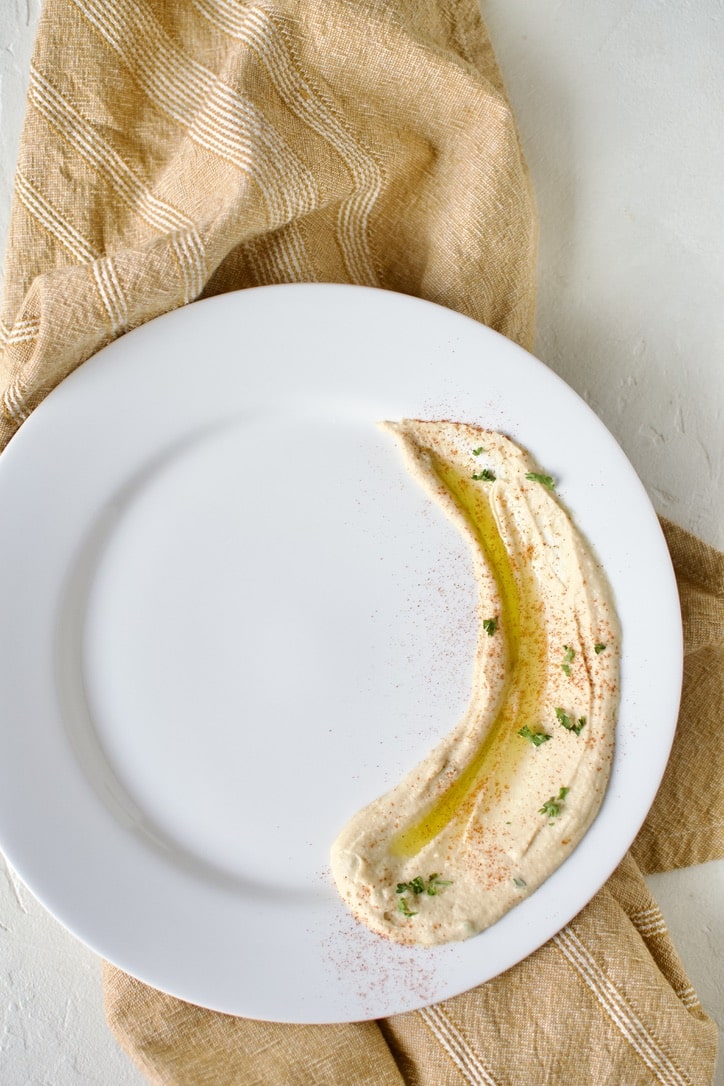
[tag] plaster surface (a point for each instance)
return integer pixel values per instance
(620, 109)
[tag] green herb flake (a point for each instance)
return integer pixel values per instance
(490, 625)
(432, 886)
(478, 451)
(563, 718)
(404, 908)
(569, 657)
(436, 885)
(552, 806)
(520, 883)
(599, 647)
(565, 721)
(536, 738)
(545, 480)
(486, 475)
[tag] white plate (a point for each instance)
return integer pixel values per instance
(230, 618)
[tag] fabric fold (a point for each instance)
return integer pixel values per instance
(686, 823)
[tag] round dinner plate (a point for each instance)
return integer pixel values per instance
(230, 618)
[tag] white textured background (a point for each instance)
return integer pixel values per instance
(621, 112)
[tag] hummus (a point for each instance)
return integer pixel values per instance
(498, 805)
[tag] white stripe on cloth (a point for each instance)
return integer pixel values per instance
(253, 26)
(618, 1010)
(214, 116)
(460, 1052)
(123, 180)
(52, 221)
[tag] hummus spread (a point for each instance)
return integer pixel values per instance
(500, 803)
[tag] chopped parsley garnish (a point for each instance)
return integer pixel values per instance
(568, 660)
(545, 480)
(486, 475)
(436, 885)
(599, 647)
(571, 726)
(432, 886)
(520, 883)
(415, 887)
(536, 738)
(478, 451)
(552, 806)
(490, 625)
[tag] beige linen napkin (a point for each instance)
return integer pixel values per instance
(175, 149)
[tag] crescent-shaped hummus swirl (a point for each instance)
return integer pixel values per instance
(498, 805)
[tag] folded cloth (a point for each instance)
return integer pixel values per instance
(175, 149)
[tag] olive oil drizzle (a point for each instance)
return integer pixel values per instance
(524, 639)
